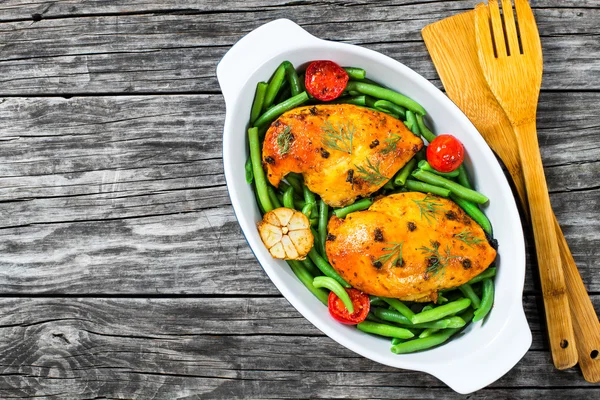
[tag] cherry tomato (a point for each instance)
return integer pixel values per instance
(325, 80)
(340, 313)
(445, 153)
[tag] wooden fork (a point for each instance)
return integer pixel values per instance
(511, 62)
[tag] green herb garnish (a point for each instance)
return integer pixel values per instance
(436, 261)
(338, 138)
(391, 143)
(468, 237)
(428, 207)
(394, 253)
(284, 140)
(371, 173)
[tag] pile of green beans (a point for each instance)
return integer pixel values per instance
(411, 326)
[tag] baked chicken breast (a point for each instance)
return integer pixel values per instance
(342, 150)
(408, 246)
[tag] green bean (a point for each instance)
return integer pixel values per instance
(355, 73)
(474, 212)
(427, 307)
(317, 242)
(257, 170)
(389, 106)
(273, 197)
(400, 307)
(441, 311)
(441, 299)
(389, 185)
(285, 92)
(376, 301)
(259, 98)
(409, 125)
(323, 219)
(427, 332)
(400, 178)
(392, 316)
(373, 318)
(274, 85)
(412, 120)
(309, 198)
(356, 100)
(468, 292)
(288, 198)
(425, 166)
(463, 178)
(275, 111)
(357, 206)
(296, 183)
(455, 188)
(488, 273)
(425, 132)
(384, 330)
(307, 210)
(397, 341)
(335, 287)
(292, 78)
(417, 186)
(401, 320)
(487, 300)
(298, 204)
(386, 94)
(249, 173)
(421, 154)
(326, 268)
(412, 346)
(307, 279)
(310, 267)
(370, 102)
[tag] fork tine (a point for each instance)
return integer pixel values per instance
(510, 28)
(530, 37)
(482, 27)
(497, 30)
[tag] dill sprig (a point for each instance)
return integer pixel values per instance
(468, 238)
(371, 173)
(338, 138)
(394, 253)
(391, 143)
(428, 207)
(284, 140)
(436, 261)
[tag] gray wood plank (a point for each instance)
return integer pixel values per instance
(213, 348)
(174, 52)
(97, 191)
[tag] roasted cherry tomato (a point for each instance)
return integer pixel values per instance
(340, 313)
(445, 153)
(325, 80)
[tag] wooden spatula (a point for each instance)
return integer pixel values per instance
(513, 73)
(451, 44)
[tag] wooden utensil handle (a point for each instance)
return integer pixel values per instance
(583, 314)
(558, 315)
(585, 320)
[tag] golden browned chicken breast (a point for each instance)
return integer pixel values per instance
(343, 151)
(408, 246)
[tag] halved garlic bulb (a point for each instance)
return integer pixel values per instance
(286, 233)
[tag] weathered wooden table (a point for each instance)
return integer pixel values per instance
(123, 272)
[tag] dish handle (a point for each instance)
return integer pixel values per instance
(488, 364)
(254, 49)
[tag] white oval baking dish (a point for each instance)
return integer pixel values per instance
(482, 353)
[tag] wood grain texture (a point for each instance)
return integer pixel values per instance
(453, 49)
(131, 163)
(173, 47)
(214, 348)
(111, 188)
